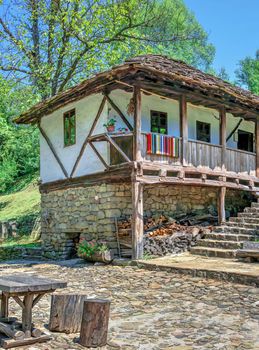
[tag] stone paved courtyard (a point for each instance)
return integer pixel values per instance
(156, 310)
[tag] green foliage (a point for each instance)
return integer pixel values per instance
(89, 248)
(223, 74)
(147, 256)
(19, 146)
(22, 206)
(54, 44)
(25, 241)
(110, 122)
(248, 73)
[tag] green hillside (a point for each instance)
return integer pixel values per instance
(20, 204)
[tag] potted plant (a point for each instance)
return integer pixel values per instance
(110, 125)
(94, 251)
(123, 130)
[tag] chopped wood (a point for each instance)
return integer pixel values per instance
(163, 225)
(36, 332)
(12, 333)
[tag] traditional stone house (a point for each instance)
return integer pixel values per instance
(183, 140)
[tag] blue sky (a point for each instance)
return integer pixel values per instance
(233, 27)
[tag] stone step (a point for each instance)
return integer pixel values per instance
(247, 220)
(248, 215)
(213, 252)
(255, 205)
(251, 225)
(219, 244)
(228, 237)
(252, 210)
(237, 230)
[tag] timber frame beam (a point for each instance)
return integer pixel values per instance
(53, 151)
(90, 138)
(151, 173)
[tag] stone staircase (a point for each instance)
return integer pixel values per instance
(226, 239)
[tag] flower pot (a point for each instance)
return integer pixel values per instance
(104, 257)
(111, 128)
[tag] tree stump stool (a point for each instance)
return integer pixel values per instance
(94, 327)
(66, 313)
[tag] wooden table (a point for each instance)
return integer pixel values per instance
(32, 288)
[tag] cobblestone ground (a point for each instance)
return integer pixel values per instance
(156, 310)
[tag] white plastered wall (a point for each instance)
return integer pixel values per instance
(86, 110)
(149, 103)
(206, 115)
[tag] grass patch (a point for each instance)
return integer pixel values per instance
(21, 203)
(22, 241)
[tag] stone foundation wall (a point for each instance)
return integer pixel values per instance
(89, 212)
(171, 200)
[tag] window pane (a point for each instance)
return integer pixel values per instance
(203, 131)
(72, 131)
(245, 141)
(159, 122)
(69, 128)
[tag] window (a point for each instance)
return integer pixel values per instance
(245, 141)
(70, 128)
(159, 122)
(203, 131)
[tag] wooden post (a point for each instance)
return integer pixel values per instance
(27, 314)
(137, 220)
(4, 305)
(221, 205)
(137, 125)
(184, 129)
(94, 327)
(257, 146)
(223, 137)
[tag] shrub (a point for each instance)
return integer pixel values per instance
(89, 248)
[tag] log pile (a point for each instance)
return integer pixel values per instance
(164, 235)
(163, 225)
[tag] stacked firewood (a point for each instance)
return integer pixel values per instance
(162, 225)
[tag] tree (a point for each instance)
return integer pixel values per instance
(248, 73)
(19, 145)
(223, 74)
(53, 44)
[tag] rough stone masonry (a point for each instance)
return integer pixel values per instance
(89, 212)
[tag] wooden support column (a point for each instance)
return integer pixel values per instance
(223, 137)
(137, 125)
(221, 205)
(4, 305)
(257, 146)
(184, 130)
(137, 220)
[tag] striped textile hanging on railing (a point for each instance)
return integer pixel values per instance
(162, 145)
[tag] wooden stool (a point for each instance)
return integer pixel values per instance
(66, 312)
(94, 328)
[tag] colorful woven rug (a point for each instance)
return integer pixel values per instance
(163, 145)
